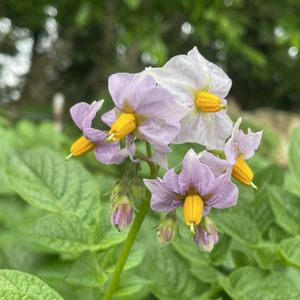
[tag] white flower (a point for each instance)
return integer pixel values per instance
(201, 86)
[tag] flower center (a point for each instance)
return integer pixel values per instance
(192, 210)
(208, 102)
(125, 124)
(242, 172)
(80, 147)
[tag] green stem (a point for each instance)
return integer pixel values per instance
(134, 229)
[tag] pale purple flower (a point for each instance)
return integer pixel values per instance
(241, 143)
(206, 236)
(238, 148)
(238, 144)
(185, 76)
(83, 115)
(157, 114)
(195, 178)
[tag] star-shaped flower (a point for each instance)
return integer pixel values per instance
(145, 111)
(195, 188)
(239, 148)
(83, 115)
(202, 87)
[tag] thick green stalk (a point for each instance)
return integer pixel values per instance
(134, 229)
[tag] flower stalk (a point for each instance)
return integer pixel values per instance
(132, 234)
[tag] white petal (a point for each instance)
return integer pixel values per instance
(176, 83)
(208, 129)
(214, 77)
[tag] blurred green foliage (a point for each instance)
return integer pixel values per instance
(55, 225)
(76, 45)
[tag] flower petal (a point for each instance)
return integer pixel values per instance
(195, 176)
(189, 70)
(206, 240)
(231, 146)
(171, 179)
(158, 132)
(156, 102)
(223, 194)
(160, 156)
(110, 116)
(213, 76)
(162, 199)
(179, 85)
(110, 153)
(118, 85)
(217, 165)
(209, 129)
(241, 143)
(131, 148)
(107, 153)
(249, 142)
(83, 113)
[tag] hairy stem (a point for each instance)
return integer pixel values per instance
(132, 234)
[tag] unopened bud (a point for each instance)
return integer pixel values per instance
(206, 235)
(167, 229)
(137, 188)
(116, 191)
(122, 212)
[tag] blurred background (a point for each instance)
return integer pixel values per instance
(56, 53)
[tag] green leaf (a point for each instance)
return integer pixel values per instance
(130, 285)
(294, 153)
(239, 224)
(263, 215)
(286, 208)
(108, 258)
(190, 251)
(134, 259)
(205, 273)
(291, 184)
(270, 175)
(290, 250)
(43, 179)
(168, 273)
(85, 271)
(250, 283)
(220, 251)
(62, 233)
(110, 238)
(19, 285)
(265, 256)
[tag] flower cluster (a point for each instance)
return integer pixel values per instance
(183, 101)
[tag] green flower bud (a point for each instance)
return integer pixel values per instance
(137, 188)
(116, 191)
(167, 229)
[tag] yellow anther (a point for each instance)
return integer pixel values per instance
(125, 124)
(242, 172)
(80, 147)
(208, 102)
(192, 210)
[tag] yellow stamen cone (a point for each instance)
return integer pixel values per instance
(192, 210)
(208, 102)
(124, 125)
(242, 172)
(80, 147)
